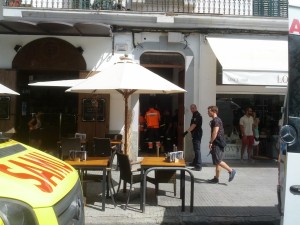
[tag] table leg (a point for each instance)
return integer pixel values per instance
(80, 174)
(143, 193)
(182, 189)
(103, 189)
(110, 187)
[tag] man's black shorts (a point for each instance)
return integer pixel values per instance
(217, 154)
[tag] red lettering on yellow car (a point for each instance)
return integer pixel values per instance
(295, 27)
(39, 171)
(55, 166)
(41, 168)
(43, 185)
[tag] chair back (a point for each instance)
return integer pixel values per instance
(124, 167)
(102, 147)
(68, 144)
(82, 136)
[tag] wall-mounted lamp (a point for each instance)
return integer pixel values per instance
(17, 47)
(80, 50)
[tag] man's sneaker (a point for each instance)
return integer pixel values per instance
(231, 175)
(213, 181)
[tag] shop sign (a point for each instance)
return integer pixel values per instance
(294, 20)
(255, 78)
(233, 151)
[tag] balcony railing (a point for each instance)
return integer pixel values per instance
(266, 8)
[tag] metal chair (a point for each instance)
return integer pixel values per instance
(102, 147)
(67, 145)
(127, 174)
(82, 136)
(165, 176)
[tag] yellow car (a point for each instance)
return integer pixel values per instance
(37, 188)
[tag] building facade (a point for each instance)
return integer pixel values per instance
(233, 51)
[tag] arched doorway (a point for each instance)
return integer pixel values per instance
(171, 66)
(43, 60)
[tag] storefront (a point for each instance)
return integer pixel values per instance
(250, 72)
(268, 110)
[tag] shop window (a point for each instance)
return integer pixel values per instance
(267, 108)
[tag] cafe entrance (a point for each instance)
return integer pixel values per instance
(48, 59)
(171, 67)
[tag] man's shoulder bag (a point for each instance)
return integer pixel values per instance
(220, 142)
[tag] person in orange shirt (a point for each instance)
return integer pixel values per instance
(152, 118)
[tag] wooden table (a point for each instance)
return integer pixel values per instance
(149, 164)
(93, 163)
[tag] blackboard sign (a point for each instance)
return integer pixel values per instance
(92, 109)
(4, 108)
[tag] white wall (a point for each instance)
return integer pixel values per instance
(207, 91)
(97, 50)
(192, 87)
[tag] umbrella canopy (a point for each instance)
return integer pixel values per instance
(126, 78)
(7, 91)
(58, 83)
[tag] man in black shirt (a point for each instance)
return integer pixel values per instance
(196, 131)
(217, 151)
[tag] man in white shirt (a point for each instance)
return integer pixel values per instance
(246, 126)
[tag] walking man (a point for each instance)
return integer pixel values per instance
(246, 126)
(196, 131)
(217, 152)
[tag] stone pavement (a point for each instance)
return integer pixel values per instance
(251, 198)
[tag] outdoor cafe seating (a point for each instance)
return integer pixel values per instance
(96, 166)
(101, 148)
(82, 137)
(116, 139)
(129, 175)
(89, 176)
(135, 175)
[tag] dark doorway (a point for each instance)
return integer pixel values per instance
(171, 67)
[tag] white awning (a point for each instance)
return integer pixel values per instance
(252, 61)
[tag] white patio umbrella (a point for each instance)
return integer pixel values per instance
(7, 91)
(126, 78)
(57, 83)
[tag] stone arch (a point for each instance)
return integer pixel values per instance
(49, 54)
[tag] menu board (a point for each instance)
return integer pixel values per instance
(92, 109)
(4, 108)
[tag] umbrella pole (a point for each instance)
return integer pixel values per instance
(126, 124)
(126, 94)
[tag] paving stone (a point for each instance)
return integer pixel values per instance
(251, 198)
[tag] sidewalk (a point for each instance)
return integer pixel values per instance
(251, 198)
